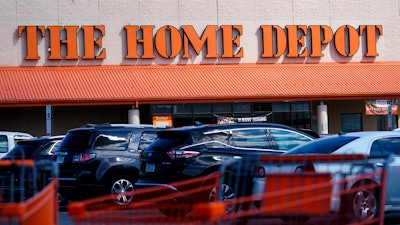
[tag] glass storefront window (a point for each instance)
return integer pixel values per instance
(262, 107)
(301, 120)
(300, 106)
(242, 107)
(183, 108)
(204, 119)
(161, 109)
(281, 107)
(202, 108)
(295, 114)
(282, 118)
(222, 108)
(182, 120)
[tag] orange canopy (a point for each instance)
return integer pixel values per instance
(88, 85)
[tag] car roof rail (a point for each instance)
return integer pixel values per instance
(97, 125)
(134, 125)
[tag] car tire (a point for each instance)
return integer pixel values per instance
(360, 206)
(228, 195)
(121, 189)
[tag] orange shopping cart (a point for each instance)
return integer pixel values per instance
(316, 189)
(28, 193)
(264, 189)
(155, 205)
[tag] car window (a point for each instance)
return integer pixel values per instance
(215, 140)
(76, 140)
(286, 139)
(48, 148)
(146, 139)
(170, 140)
(322, 146)
(111, 140)
(3, 143)
(251, 138)
(385, 146)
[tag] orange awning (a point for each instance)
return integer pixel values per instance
(87, 85)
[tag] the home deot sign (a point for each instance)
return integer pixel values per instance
(147, 42)
(346, 40)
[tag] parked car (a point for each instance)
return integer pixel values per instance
(362, 204)
(37, 148)
(9, 139)
(100, 159)
(187, 152)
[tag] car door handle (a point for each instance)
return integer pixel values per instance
(380, 165)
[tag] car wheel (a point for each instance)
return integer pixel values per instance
(122, 188)
(228, 193)
(361, 205)
(364, 205)
(227, 196)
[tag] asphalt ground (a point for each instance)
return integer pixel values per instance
(392, 219)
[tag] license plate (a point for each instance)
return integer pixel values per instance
(60, 159)
(150, 167)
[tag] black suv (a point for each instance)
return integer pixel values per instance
(101, 159)
(188, 152)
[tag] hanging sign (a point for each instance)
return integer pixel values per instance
(381, 107)
(164, 120)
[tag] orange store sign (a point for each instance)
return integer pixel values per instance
(147, 42)
(164, 120)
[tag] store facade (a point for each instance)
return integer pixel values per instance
(327, 67)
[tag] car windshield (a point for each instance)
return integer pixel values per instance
(322, 146)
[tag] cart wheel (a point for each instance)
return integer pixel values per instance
(122, 189)
(360, 206)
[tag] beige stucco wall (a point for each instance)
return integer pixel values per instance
(114, 14)
(337, 108)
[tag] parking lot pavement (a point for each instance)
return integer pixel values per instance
(390, 220)
(64, 219)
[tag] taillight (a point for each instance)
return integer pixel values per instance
(80, 158)
(181, 154)
(259, 171)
